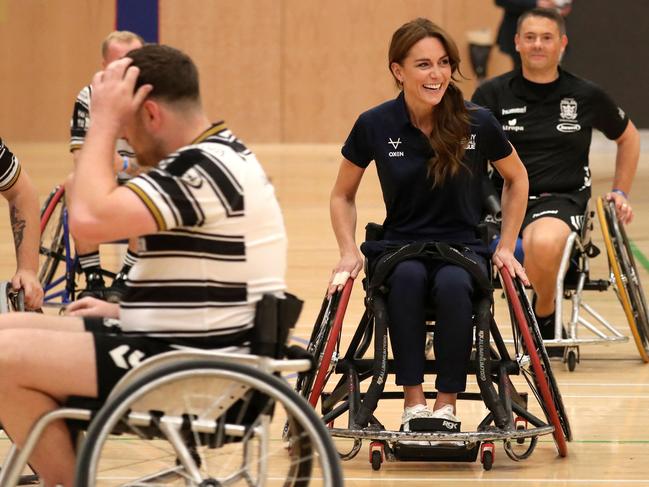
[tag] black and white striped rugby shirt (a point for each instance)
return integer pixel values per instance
(221, 242)
(80, 124)
(9, 167)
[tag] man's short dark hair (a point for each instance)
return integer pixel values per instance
(547, 13)
(171, 72)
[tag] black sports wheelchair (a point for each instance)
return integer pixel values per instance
(198, 418)
(512, 417)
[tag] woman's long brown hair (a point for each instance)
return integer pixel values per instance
(451, 123)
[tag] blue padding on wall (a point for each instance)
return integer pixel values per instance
(139, 16)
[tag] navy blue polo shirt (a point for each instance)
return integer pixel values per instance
(415, 210)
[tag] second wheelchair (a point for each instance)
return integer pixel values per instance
(574, 278)
(59, 267)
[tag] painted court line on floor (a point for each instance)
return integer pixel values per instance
(430, 479)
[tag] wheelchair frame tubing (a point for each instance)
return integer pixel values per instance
(502, 418)
(67, 293)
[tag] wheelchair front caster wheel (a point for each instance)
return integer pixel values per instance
(376, 460)
(376, 455)
(572, 360)
(487, 454)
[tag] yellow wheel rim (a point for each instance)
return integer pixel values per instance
(621, 289)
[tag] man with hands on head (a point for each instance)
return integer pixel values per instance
(204, 208)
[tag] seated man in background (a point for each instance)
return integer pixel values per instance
(549, 115)
(114, 47)
(18, 190)
(212, 242)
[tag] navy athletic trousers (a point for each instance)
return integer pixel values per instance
(451, 290)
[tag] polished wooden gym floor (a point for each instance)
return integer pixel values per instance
(607, 396)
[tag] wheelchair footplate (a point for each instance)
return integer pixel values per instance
(387, 445)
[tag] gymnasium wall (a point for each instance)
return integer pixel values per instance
(288, 71)
(276, 70)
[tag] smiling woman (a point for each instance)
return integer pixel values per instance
(431, 150)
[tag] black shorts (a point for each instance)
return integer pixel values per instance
(567, 207)
(117, 352)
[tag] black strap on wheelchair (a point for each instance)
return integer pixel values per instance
(428, 251)
(385, 264)
(274, 318)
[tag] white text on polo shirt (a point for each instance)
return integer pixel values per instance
(508, 111)
(512, 126)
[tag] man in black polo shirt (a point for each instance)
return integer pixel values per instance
(549, 115)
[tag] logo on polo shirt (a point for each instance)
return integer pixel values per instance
(395, 144)
(512, 126)
(568, 116)
(471, 143)
(509, 111)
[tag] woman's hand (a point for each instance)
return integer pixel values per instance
(504, 257)
(349, 266)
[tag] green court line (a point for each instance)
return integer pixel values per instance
(617, 442)
(637, 253)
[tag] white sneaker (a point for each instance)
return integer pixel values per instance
(417, 411)
(445, 412)
(420, 418)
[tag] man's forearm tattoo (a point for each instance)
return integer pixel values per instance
(17, 226)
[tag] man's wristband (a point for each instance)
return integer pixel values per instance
(620, 192)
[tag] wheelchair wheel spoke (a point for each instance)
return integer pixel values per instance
(220, 423)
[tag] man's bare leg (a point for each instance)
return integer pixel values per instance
(543, 242)
(39, 369)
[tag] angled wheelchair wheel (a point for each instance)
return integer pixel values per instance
(625, 275)
(324, 341)
(536, 370)
(207, 423)
(53, 266)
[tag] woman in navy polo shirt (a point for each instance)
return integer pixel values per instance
(431, 150)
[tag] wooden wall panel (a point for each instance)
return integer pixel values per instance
(335, 62)
(48, 51)
(463, 16)
(236, 46)
(277, 70)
